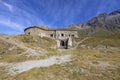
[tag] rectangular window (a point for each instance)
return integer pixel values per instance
(51, 35)
(62, 35)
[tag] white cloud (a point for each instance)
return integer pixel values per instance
(9, 6)
(12, 25)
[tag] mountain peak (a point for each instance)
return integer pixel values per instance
(115, 12)
(103, 14)
(109, 22)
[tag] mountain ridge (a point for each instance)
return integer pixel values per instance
(107, 21)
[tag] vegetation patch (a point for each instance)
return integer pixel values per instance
(79, 68)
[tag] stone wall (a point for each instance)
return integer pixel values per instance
(36, 31)
(63, 37)
(65, 34)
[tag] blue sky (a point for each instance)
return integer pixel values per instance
(16, 15)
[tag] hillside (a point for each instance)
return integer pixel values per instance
(109, 22)
(23, 47)
(25, 57)
(103, 31)
(100, 39)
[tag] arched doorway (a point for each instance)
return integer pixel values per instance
(64, 43)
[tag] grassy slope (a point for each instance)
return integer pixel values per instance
(83, 32)
(34, 42)
(4, 46)
(115, 36)
(102, 33)
(9, 52)
(101, 37)
(78, 69)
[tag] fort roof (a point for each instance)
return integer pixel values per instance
(51, 29)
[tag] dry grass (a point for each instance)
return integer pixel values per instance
(33, 41)
(86, 65)
(12, 53)
(95, 41)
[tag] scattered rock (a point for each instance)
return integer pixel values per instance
(101, 64)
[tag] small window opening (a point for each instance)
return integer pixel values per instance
(73, 35)
(51, 35)
(62, 35)
(29, 33)
(69, 35)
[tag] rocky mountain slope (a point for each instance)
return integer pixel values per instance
(107, 22)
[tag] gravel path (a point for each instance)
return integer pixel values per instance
(81, 41)
(16, 68)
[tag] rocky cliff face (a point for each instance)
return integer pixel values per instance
(109, 22)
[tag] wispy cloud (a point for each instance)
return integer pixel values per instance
(13, 25)
(19, 14)
(9, 6)
(63, 11)
(20, 19)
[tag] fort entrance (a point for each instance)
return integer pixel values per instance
(64, 43)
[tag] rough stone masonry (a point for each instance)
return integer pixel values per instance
(61, 35)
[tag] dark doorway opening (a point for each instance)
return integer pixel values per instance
(73, 35)
(64, 43)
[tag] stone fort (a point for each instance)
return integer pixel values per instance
(63, 36)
